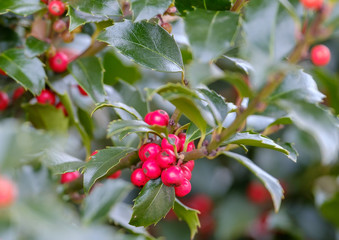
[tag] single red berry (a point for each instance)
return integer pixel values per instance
(183, 189)
(186, 172)
(172, 176)
(182, 137)
(320, 55)
(201, 202)
(4, 101)
(115, 175)
(62, 107)
(2, 72)
(138, 177)
(147, 118)
(257, 193)
(56, 8)
(173, 138)
(69, 177)
(8, 192)
(82, 91)
(312, 4)
(190, 165)
(165, 158)
(46, 97)
(59, 26)
(167, 27)
(190, 146)
(59, 62)
(149, 151)
(18, 92)
(151, 169)
(158, 117)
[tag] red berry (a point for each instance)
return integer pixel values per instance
(59, 26)
(167, 27)
(46, 97)
(190, 165)
(4, 101)
(165, 158)
(59, 62)
(203, 203)
(312, 4)
(158, 117)
(190, 146)
(186, 172)
(62, 107)
(147, 118)
(151, 169)
(56, 8)
(172, 176)
(82, 91)
(2, 72)
(115, 175)
(138, 178)
(166, 145)
(320, 55)
(93, 153)
(182, 137)
(149, 151)
(257, 193)
(69, 177)
(8, 192)
(183, 189)
(18, 92)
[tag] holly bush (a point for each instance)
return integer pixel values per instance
(98, 96)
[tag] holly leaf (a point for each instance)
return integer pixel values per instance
(8, 39)
(119, 105)
(153, 203)
(35, 47)
(203, 73)
(145, 43)
(88, 72)
(148, 9)
(271, 183)
(29, 72)
(329, 209)
(21, 7)
(189, 215)
(206, 31)
(188, 5)
(102, 162)
(109, 8)
(98, 203)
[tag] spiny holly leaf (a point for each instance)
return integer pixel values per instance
(98, 203)
(21, 7)
(61, 162)
(35, 47)
(258, 140)
(119, 105)
(126, 127)
(271, 183)
(48, 117)
(145, 43)
(207, 34)
(86, 121)
(189, 215)
(102, 162)
(107, 8)
(203, 73)
(88, 72)
(242, 64)
(29, 72)
(188, 5)
(153, 203)
(147, 9)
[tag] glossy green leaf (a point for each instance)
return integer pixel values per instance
(145, 43)
(98, 203)
(86, 121)
(153, 203)
(8, 39)
(271, 183)
(208, 35)
(189, 215)
(21, 7)
(35, 47)
(119, 105)
(102, 162)
(240, 63)
(203, 73)
(29, 72)
(108, 8)
(147, 9)
(48, 117)
(88, 72)
(189, 5)
(257, 140)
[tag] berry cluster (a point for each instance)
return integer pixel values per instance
(161, 160)
(4, 98)
(48, 97)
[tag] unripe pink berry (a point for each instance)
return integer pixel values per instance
(172, 176)
(151, 169)
(138, 177)
(59, 26)
(8, 192)
(183, 189)
(165, 158)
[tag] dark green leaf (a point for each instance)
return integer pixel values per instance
(21, 7)
(8, 39)
(147, 9)
(29, 72)
(97, 7)
(48, 117)
(189, 215)
(210, 33)
(330, 208)
(88, 72)
(35, 47)
(98, 203)
(242, 64)
(101, 163)
(86, 121)
(188, 5)
(145, 43)
(271, 183)
(153, 203)
(122, 106)
(204, 73)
